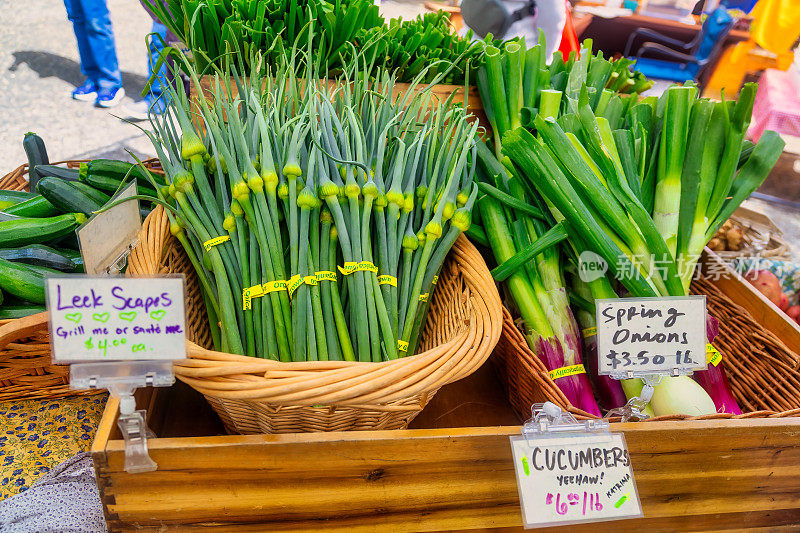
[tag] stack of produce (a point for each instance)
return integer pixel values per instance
(644, 185)
(37, 229)
(217, 30)
(316, 218)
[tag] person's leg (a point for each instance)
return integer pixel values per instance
(156, 44)
(78, 18)
(100, 36)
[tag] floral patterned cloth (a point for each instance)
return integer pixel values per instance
(36, 435)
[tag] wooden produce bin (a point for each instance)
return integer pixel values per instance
(452, 470)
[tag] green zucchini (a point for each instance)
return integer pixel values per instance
(74, 256)
(36, 207)
(119, 170)
(67, 198)
(24, 281)
(53, 171)
(39, 255)
(98, 196)
(37, 155)
(25, 231)
(16, 196)
(112, 184)
(19, 311)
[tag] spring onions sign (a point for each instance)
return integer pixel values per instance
(114, 319)
(639, 336)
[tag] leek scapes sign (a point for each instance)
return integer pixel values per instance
(642, 336)
(113, 319)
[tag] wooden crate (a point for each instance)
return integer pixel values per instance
(451, 471)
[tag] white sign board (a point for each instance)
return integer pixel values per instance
(640, 336)
(574, 479)
(106, 236)
(116, 319)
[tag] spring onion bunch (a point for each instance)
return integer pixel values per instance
(648, 191)
(516, 84)
(317, 216)
(212, 29)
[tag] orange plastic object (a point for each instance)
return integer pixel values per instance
(775, 28)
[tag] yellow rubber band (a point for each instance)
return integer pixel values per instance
(402, 346)
(310, 280)
(565, 371)
(325, 275)
(588, 332)
(424, 297)
(210, 243)
(348, 267)
(274, 286)
(435, 280)
(386, 279)
(713, 355)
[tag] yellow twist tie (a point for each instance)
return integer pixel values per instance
(210, 243)
(402, 346)
(424, 297)
(274, 286)
(713, 355)
(325, 275)
(588, 332)
(249, 293)
(566, 371)
(364, 266)
(294, 282)
(386, 279)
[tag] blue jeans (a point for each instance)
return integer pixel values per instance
(92, 25)
(163, 76)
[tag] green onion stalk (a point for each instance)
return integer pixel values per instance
(646, 196)
(294, 201)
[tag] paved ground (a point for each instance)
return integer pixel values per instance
(39, 68)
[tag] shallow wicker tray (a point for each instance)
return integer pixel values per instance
(256, 395)
(762, 371)
(26, 371)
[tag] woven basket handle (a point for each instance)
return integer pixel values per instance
(21, 328)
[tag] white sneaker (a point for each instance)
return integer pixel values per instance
(110, 97)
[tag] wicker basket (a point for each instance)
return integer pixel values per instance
(257, 396)
(762, 370)
(26, 371)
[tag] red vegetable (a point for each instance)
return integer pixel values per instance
(767, 284)
(794, 312)
(713, 378)
(784, 302)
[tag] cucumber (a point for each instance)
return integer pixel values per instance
(74, 256)
(39, 255)
(67, 198)
(24, 281)
(16, 196)
(111, 184)
(98, 196)
(25, 231)
(37, 155)
(53, 171)
(19, 311)
(36, 207)
(113, 168)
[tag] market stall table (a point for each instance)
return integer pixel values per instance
(610, 35)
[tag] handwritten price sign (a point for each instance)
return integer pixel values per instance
(651, 335)
(114, 319)
(569, 480)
